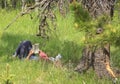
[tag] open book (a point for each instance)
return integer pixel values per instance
(35, 48)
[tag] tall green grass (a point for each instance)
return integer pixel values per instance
(33, 72)
(66, 40)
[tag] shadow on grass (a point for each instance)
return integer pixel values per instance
(68, 49)
(9, 42)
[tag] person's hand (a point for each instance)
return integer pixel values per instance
(31, 52)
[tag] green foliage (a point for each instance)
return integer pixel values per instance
(102, 21)
(6, 77)
(115, 57)
(66, 40)
(84, 23)
(81, 16)
(80, 13)
(53, 47)
(70, 51)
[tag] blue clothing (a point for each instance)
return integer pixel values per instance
(23, 49)
(33, 57)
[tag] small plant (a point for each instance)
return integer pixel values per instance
(6, 77)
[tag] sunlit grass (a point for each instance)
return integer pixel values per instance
(66, 39)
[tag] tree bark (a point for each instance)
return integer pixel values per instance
(99, 7)
(102, 62)
(23, 5)
(37, 2)
(98, 59)
(86, 61)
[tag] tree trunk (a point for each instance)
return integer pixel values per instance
(45, 13)
(3, 3)
(14, 3)
(99, 60)
(99, 7)
(99, 56)
(102, 62)
(86, 61)
(23, 5)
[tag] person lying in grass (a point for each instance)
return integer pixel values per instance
(42, 55)
(26, 50)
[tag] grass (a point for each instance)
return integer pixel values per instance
(66, 40)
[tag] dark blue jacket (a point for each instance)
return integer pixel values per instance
(23, 49)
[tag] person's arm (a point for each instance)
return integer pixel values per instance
(29, 55)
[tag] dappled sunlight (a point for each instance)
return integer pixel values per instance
(73, 32)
